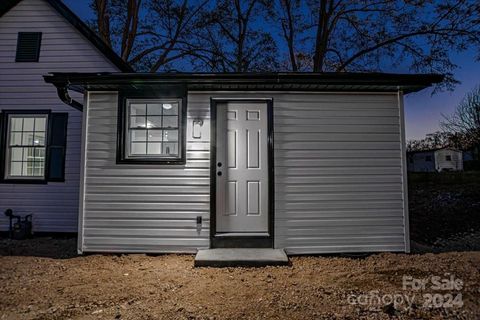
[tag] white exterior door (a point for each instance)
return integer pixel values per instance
(242, 167)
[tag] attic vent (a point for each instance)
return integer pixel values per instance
(28, 46)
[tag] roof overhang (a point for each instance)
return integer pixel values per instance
(290, 81)
(373, 82)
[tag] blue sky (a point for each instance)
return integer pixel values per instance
(423, 111)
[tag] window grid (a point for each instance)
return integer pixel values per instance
(27, 145)
(144, 121)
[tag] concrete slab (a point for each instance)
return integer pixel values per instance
(237, 257)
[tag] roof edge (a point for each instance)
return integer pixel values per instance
(394, 82)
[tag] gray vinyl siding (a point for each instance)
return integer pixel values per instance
(142, 208)
(63, 49)
(338, 178)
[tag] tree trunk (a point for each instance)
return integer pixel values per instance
(321, 39)
(291, 35)
(103, 21)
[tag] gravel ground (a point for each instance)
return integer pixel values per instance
(43, 279)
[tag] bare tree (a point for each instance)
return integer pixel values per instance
(288, 13)
(150, 39)
(371, 35)
(432, 141)
(465, 120)
(231, 43)
(103, 20)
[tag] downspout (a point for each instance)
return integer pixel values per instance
(62, 92)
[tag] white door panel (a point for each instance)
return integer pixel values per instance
(242, 162)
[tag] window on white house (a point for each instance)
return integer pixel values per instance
(26, 146)
(153, 129)
(448, 158)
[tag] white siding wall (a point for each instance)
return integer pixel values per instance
(338, 178)
(63, 49)
(441, 163)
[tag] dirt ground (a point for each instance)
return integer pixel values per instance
(43, 279)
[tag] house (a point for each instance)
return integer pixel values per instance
(176, 162)
(40, 135)
(438, 160)
(421, 161)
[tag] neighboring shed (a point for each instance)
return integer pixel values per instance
(309, 162)
(39, 169)
(448, 160)
(437, 160)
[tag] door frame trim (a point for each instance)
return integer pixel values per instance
(241, 241)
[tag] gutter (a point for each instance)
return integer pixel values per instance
(62, 92)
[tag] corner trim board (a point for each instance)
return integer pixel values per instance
(403, 148)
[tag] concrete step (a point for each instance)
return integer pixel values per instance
(240, 257)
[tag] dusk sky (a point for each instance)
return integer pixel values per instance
(423, 111)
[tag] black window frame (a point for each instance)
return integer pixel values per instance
(38, 44)
(4, 144)
(165, 93)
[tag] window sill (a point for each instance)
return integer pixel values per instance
(152, 161)
(24, 181)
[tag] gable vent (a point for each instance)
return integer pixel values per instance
(28, 46)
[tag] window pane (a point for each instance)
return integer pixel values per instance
(16, 124)
(154, 122)
(16, 168)
(137, 122)
(170, 109)
(170, 121)
(170, 148)
(139, 135)
(155, 135)
(28, 124)
(154, 109)
(40, 154)
(39, 138)
(16, 139)
(16, 154)
(28, 154)
(27, 139)
(40, 124)
(138, 148)
(155, 117)
(27, 168)
(154, 148)
(170, 135)
(38, 169)
(138, 109)
(26, 132)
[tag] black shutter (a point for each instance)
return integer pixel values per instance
(56, 147)
(28, 46)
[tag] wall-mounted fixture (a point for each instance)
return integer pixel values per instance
(197, 129)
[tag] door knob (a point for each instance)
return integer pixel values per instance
(219, 164)
(219, 173)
